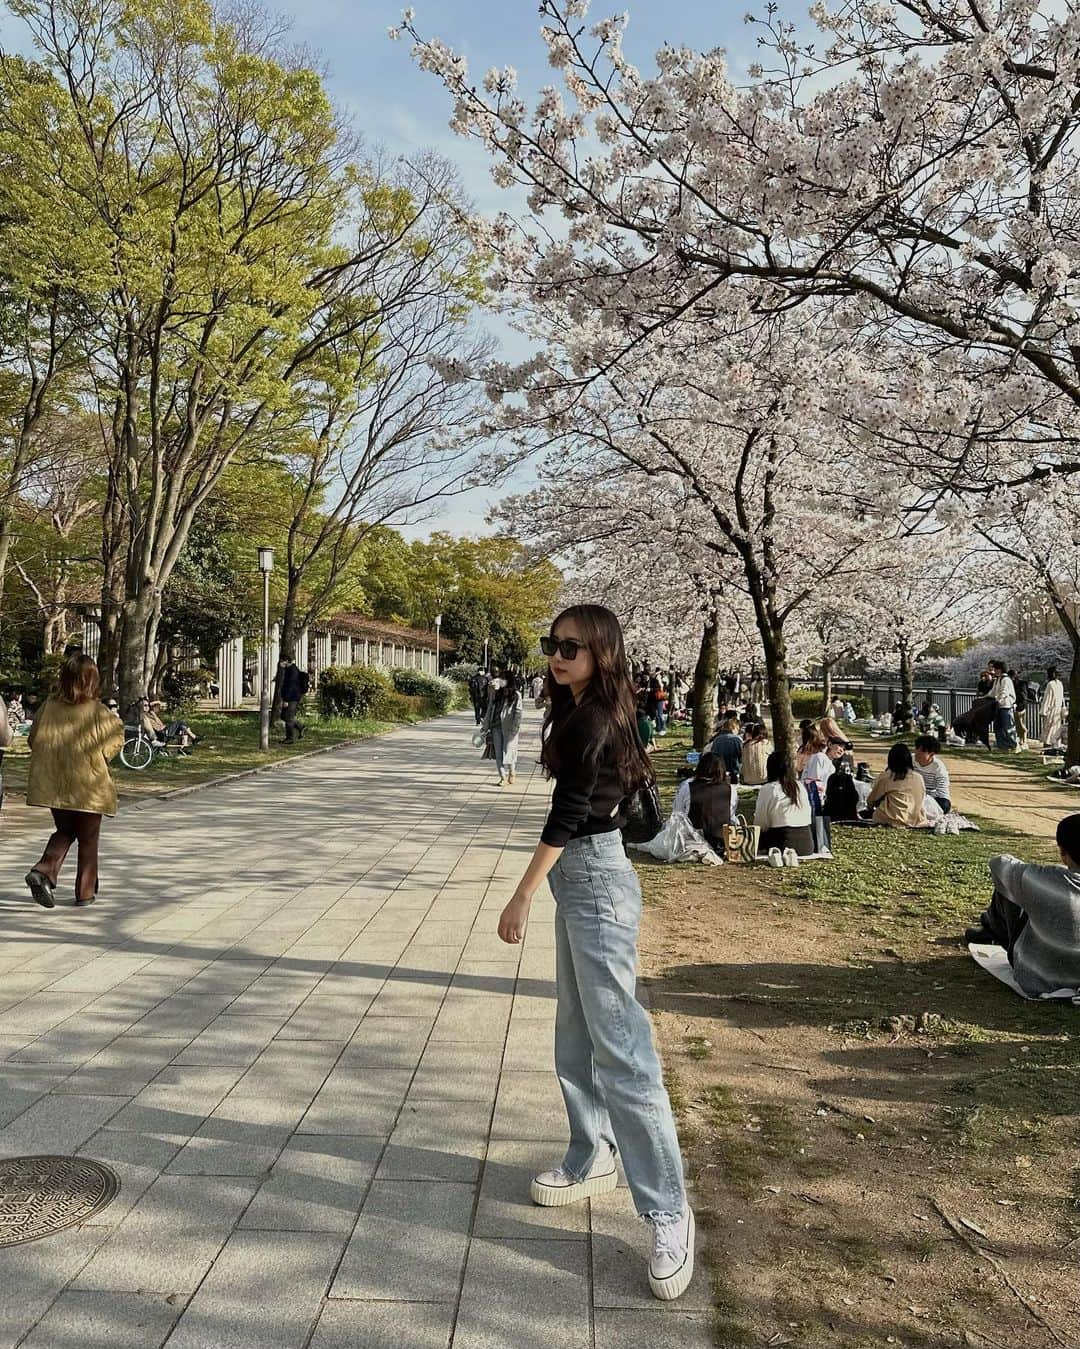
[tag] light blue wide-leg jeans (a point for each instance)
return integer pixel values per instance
(605, 1058)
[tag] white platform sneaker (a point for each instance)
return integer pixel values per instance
(553, 1189)
(671, 1265)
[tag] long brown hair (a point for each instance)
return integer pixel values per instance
(610, 690)
(79, 680)
(778, 769)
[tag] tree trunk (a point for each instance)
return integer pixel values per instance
(1072, 742)
(705, 683)
(907, 687)
(5, 550)
(826, 679)
(778, 685)
(132, 676)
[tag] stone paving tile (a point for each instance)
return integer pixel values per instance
(85, 1320)
(620, 1247)
(42, 1011)
(317, 1184)
(505, 1209)
(325, 1018)
(33, 1274)
(231, 1039)
(57, 1123)
(240, 1305)
(456, 1072)
(170, 1238)
(410, 1236)
(435, 1142)
(470, 1017)
(549, 1301)
(529, 1105)
(357, 1099)
(379, 1325)
(138, 1159)
(23, 1084)
(289, 1067)
(658, 1328)
(388, 1042)
(530, 1045)
(243, 1137)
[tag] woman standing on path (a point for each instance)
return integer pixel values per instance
(502, 721)
(1052, 709)
(605, 1059)
(73, 738)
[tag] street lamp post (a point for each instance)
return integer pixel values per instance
(485, 653)
(266, 566)
(438, 627)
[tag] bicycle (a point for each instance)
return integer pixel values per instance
(139, 750)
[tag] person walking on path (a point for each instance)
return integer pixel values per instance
(1004, 694)
(73, 738)
(478, 694)
(1023, 697)
(502, 721)
(605, 1058)
(1052, 709)
(292, 685)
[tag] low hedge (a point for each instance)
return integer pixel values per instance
(351, 690)
(393, 706)
(386, 695)
(440, 693)
(811, 703)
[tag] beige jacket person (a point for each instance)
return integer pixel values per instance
(900, 802)
(72, 744)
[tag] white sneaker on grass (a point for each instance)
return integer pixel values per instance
(553, 1189)
(671, 1265)
(791, 857)
(776, 857)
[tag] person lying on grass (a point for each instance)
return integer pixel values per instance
(1034, 913)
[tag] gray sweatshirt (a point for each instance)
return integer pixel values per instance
(1046, 956)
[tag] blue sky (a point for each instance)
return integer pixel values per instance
(400, 107)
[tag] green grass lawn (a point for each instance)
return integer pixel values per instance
(899, 901)
(229, 743)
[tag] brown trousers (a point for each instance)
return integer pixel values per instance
(74, 826)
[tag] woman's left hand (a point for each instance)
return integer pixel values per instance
(514, 919)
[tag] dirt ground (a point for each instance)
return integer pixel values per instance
(852, 1194)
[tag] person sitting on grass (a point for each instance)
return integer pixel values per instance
(728, 746)
(783, 812)
(932, 771)
(710, 799)
(898, 793)
(755, 753)
(1034, 913)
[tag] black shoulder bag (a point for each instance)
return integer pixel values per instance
(643, 814)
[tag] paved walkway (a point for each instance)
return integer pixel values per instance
(290, 1027)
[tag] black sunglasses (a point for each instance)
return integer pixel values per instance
(567, 648)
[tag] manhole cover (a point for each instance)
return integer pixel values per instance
(41, 1195)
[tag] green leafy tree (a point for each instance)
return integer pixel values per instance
(212, 166)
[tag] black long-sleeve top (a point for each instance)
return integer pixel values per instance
(588, 789)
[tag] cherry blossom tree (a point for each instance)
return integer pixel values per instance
(733, 419)
(635, 543)
(1032, 533)
(913, 175)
